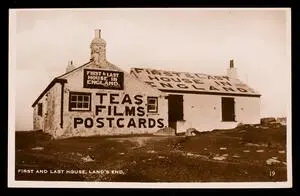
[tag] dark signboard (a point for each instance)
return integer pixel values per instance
(103, 79)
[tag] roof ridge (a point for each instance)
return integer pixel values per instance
(73, 70)
(176, 71)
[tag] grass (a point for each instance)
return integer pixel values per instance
(147, 158)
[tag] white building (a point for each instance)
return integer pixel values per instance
(98, 98)
(204, 102)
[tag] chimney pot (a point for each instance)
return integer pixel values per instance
(97, 33)
(231, 70)
(231, 63)
(70, 66)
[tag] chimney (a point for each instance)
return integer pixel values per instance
(231, 63)
(70, 66)
(98, 49)
(231, 71)
(97, 33)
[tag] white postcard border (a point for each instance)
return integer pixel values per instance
(59, 184)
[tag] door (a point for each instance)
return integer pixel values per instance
(175, 108)
(228, 113)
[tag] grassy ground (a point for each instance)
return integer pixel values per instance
(238, 155)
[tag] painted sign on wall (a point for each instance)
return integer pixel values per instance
(191, 82)
(118, 110)
(103, 79)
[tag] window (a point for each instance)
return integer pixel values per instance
(79, 101)
(228, 113)
(40, 109)
(152, 104)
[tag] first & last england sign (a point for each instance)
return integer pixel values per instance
(103, 79)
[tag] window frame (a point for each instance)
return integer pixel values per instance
(155, 104)
(71, 109)
(40, 109)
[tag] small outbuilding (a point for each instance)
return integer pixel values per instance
(99, 98)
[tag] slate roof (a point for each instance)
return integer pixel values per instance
(194, 83)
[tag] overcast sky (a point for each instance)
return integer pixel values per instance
(190, 40)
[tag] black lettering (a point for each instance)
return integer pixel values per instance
(189, 75)
(182, 86)
(142, 121)
(126, 99)
(151, 83)
(202, 76)
(109, 110)
(219, 77)
(176, 79)
(212, 88)
(151, 123)
(242, 90)
(101, 96)
(228, 89)
(217, 83)
(99, 108)
(131, 123)
(112, 98)
(227, 78)
(166, 85)
(167, 73)
(210, 77)
(118, 123)
(152, 78)
(88, 123)
(116, 112)
(160, 123)
(100, 123)
(148, 72)
(198, 81)
(77, 121)
(198, 88)
(198, 76)
(226, 83)
(177, 74)
(165, 79)
(138, 99)
(141, 111)
(155, 72)
(110, 121)
(129, 111)
(138, 70)
(186, 80)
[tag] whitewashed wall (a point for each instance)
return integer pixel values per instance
(204, 112)
(50, 119)
(38, 121)
(132, 86)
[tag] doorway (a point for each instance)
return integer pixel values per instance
(228, 114)
(175, 108)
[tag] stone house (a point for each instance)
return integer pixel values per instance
(99, 98)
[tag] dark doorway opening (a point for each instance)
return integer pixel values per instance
(228, 113)
(175, 107)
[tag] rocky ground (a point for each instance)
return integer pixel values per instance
(243, 154)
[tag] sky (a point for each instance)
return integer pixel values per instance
(189, 40)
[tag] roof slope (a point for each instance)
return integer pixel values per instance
(110, 67)
(64, 77)
(196, 83)
(52, 83)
